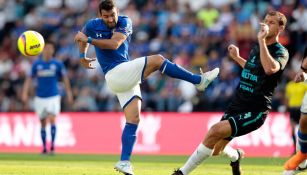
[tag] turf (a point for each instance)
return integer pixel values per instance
(67, 164)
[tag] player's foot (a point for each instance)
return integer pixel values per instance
(293, 172)
(177, 172)
(236, 170)
(51, 150)
(207, 78)
(295, 160)
(44, 152)
(124, 167)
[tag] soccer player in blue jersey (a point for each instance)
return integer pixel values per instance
(110, 34)
(253, 99)
(48, 72)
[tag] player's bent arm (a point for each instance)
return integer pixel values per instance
(269, 65)
(114, 43)
(241, 61)
(25, 89)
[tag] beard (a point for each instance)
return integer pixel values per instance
(111, 25)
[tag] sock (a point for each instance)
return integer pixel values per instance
(175, 71)
(302, 140)
(128, 140)
(53, 133)
(199, 155)
(43, 137)
(231, 153)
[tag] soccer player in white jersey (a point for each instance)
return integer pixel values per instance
(110, 34)
(47, 72)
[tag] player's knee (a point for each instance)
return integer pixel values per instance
(158, 59)
(135, 119)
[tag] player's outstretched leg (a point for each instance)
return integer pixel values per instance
(175, 71)
(236, 169)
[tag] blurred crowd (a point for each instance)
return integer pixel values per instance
(194, 34)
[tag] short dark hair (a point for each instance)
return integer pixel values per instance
(106, 5)
(282, 20)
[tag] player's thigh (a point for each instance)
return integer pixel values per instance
(40, 106)
(126, 75)
(54, 106)
(245, 122)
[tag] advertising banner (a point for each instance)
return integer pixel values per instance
(158, 133)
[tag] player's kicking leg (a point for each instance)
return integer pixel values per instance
(158, 62)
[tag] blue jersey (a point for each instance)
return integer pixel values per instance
(47, 73)
(108, 58)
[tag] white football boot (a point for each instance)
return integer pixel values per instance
(207, 78)
(124, 167)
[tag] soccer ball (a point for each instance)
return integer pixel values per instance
(30, 43)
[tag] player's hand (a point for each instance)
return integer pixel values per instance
(233, 51)
(263, 32)
(87, 63)
(81, 37)
(300, 77)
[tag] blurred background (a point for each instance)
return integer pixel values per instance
(193, 34)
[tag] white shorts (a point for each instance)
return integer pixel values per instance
(47, 106)
(124, 80)
(304, 104)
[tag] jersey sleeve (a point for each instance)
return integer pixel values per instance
(87, 28)
(124, 26)
(282, 56)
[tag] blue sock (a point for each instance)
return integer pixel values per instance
(128, 140)
(53, 133)
(302, 140)
(43, 137)
(175, 71)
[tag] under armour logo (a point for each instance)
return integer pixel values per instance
(98, 35)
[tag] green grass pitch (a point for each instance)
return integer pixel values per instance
(69, 164)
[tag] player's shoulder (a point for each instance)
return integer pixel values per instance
(56, 61)
(280, 49)
(124, 19)
(279, 46)
(94, 23)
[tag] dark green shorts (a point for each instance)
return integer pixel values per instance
(244, 123)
